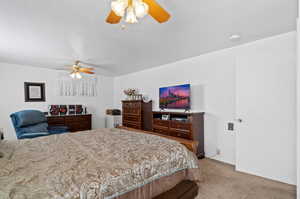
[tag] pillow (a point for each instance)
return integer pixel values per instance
(28, 117)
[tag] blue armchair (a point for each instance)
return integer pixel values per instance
(33, 123)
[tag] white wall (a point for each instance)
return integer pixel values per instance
(213, 75)
(12, 78)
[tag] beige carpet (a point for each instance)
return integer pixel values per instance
(220, 181)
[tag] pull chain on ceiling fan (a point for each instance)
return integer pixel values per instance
(132, 10)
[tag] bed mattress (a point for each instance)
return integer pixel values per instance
(103, 163)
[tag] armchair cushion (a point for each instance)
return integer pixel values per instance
(32, 135)
(57, 129)
(42, 127)
(40, 130)
(28, 117)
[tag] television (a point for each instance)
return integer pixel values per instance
(175, 97)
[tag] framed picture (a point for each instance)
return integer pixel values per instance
(79, 109)
(54, 109)
(72, 110)
(34, 92)
(63, 109)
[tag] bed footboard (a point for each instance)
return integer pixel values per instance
(184, 190)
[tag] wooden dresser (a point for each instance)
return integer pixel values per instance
(74, 122)
(137, 114)
(188, 126)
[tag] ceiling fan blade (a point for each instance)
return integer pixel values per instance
(65, 68)
(157, 12)
(113, 18)
(86, 69)
(103, 65)
(88, 72)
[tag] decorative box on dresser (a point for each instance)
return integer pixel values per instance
(137, 114)
(74, 122)
(189, 126)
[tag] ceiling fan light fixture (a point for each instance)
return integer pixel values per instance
(132, 10)
(130, 15)
(141, 9)
(72, 75)
(119, 7)
(78, 75)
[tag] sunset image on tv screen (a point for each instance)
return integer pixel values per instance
(175, 97)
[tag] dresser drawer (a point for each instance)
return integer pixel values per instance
(158, 129)
(81, 123)
(133, 118)
(132, 111)
(77, 118)
(56, 121)
(160, 122)
(79, 127)
(132, 124)
(181, 133)
(130, 105)
(180, 125)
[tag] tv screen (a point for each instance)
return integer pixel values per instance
(175, 97)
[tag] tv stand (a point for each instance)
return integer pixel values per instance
(184, 125)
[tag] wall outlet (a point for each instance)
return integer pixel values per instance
(230, 126)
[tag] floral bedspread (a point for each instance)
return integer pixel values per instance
(97, 164)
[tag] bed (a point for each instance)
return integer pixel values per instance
(97, 164)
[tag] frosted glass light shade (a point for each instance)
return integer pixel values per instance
(72, 75)
(130, 17)
(78, 75)
(141, 8)
(119, 7)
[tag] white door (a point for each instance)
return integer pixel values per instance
(266, 102)
(298, 104)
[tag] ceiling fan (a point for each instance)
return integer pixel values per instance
(134, 9)
(77, 69)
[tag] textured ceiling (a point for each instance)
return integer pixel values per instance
(53, 33)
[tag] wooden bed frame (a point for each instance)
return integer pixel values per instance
(186, 189)
(190, 144)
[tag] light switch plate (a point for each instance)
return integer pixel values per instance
(230, 126)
